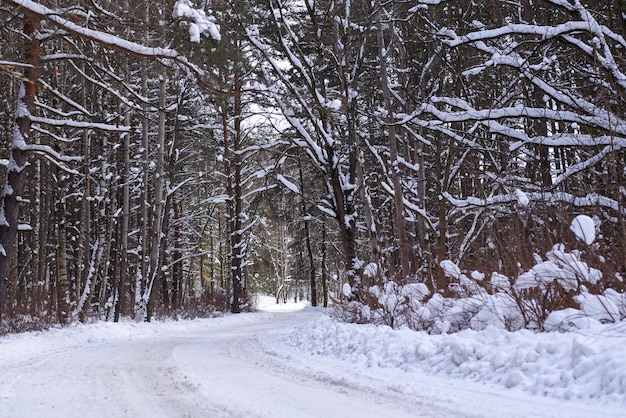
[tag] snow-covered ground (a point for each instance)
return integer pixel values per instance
(293, 361)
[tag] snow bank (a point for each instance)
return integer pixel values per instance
(582, 365)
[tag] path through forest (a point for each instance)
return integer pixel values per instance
(231, 367)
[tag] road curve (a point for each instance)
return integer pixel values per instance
(234, 368)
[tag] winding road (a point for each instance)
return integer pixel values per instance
(234, 369)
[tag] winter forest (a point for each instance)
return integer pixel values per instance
(434, 164)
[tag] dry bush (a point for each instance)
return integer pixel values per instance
(14, 323)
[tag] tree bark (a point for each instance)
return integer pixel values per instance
(16, 172)
(63, 284)
(157, 216)
(307, 237)
(233, 162)
(125, 222)
(403, 246)
(140, 280)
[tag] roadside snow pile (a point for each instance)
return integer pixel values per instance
(583, 365)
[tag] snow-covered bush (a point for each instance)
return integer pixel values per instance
(552, 284)
(564, 268)
(558, 293)
(396, 303)
(354, 312)
(412, 305)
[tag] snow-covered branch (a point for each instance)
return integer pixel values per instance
(80, 125)
(109, 40)
(590, 200)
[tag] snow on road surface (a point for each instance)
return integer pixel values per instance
(243, 365)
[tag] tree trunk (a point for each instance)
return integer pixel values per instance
(63, 284)
(403, 246)
(157, 216)
(16, 171)
(119, 305)
(84, 253)
(177, 268)
(232, 165)
(142, 274)
(324, 270)
(307, 238)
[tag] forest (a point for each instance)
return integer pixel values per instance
(436, 164)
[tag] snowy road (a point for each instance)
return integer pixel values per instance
(231, 367)
(217, 372)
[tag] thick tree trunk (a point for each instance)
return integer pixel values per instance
(394, 169)
(119, 305)
(307, 237)
(236, 203)
(344, 215)
(368, 214)
(157, 213)
(16, 171)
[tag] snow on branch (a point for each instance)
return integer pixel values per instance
(597, 47)
(215, 200)
(12, 64)
(325, 209)
(258, 190)
(99, 37)
(288, 184)
(585, 164)
(44, 150)
(597, 118)
(318, 154)
(63, 97)
(410, 206)
(108, 40)
(571, 139)
(185, 257)
(197, 21)
(80, 125)
(590, 200)
(121, 97)
(545, 32)
(54, 157)
(490, 118)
